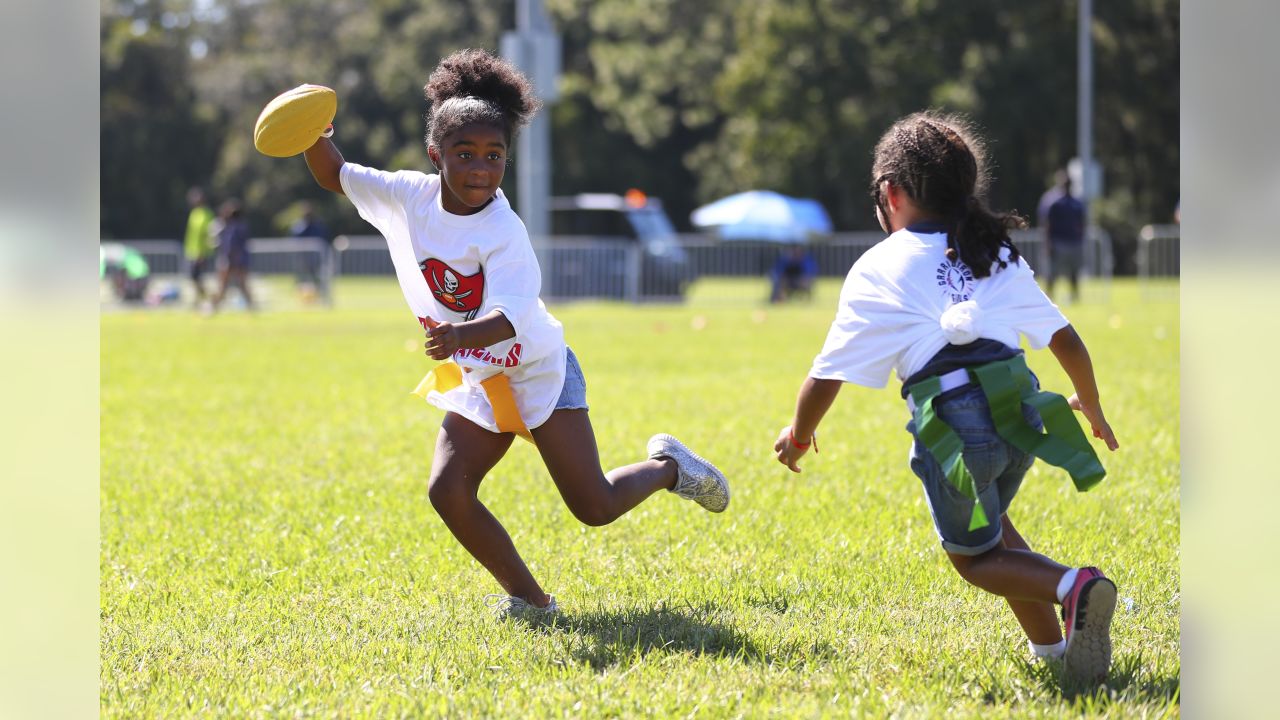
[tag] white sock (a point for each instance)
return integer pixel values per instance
(1055, 650)
(1064, 585)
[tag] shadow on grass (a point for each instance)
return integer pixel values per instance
(1128, 682)
(608, 637)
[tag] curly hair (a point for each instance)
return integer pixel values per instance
(941, 164)
(473, 86)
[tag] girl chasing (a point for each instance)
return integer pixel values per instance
(942, 301)
(467, 269)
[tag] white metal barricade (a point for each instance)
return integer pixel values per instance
(267, 256)
(627, 270)
(1158, 251)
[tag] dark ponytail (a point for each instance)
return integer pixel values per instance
(979, 236)
(940, 163)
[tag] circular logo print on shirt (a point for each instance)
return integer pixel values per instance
(956, 280)
(460, 293)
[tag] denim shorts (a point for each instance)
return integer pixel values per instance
(997, 468)
(573, 396)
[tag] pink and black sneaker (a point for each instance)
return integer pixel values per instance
(1086, 616)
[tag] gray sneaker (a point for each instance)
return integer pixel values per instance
(697, 479)
(508, 607)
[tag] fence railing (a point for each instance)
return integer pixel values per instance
(164, 257)
(1099, 259)
(1159, 251)
(605, 267)
(268, 256)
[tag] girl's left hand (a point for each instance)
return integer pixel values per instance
(442, 340)
(788, 453)
(1097, 421)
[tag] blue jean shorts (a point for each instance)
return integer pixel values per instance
(573, 396)
(997, 468)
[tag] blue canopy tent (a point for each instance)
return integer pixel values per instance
(764, 215)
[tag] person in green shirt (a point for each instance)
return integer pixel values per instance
(198, 246)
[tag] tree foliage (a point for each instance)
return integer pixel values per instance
(689, 101)
(793, 95)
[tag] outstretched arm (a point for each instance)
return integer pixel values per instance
(1074, 358)
(812, 403)
(325, 163)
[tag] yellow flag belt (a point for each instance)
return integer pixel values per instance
(448, 375)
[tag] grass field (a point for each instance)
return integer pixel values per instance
(268, 549)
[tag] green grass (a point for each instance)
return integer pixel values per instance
(268, 549)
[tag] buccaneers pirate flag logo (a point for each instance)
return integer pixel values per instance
(460, 293)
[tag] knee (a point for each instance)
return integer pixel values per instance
(590, 499)
(593, 515)
(964, 565)
(446, 492)
(595, 510)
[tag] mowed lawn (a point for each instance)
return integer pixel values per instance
(268, 549)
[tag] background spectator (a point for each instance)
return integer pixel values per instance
(313, 270)
(1062, 219)
(198, 246)
(793, 273)
(233, 253)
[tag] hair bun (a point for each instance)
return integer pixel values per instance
(479, 74)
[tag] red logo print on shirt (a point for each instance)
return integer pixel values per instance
(460, 293)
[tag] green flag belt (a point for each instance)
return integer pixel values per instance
(1007, 385)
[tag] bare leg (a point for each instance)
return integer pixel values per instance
(1038, 619)
(1012, 573)
(568, 447)
(224, 279)
(242, 281)
(197, 279)
(464, 453)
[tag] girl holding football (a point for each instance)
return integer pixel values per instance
(508, 369)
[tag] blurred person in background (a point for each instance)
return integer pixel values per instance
(198, 245)
(793, 274)
(1061, 217)
(314, 267)
(126, 270)
(233, 253)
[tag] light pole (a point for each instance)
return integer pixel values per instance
(1084, 103)
(535, 48)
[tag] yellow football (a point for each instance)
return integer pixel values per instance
(294, 120)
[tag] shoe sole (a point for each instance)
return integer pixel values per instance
(1088, 655)
(724, 482)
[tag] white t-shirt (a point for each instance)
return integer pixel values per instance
(903, 301)
(460, 267)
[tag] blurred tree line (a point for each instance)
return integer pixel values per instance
(689, 100)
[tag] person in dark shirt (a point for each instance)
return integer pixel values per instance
(233, 253)
(314, 267)
(793, 274)
(1062, 217)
